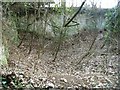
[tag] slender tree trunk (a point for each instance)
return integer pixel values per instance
(3, 60)
(62, 30)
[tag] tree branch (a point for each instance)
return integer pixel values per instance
(75, 14)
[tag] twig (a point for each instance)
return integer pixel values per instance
(88, 52)
(75, 14)
(73, 25)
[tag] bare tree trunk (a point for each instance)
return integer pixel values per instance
(3, 59)
(62, 29)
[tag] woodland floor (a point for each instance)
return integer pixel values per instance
(83, 60)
